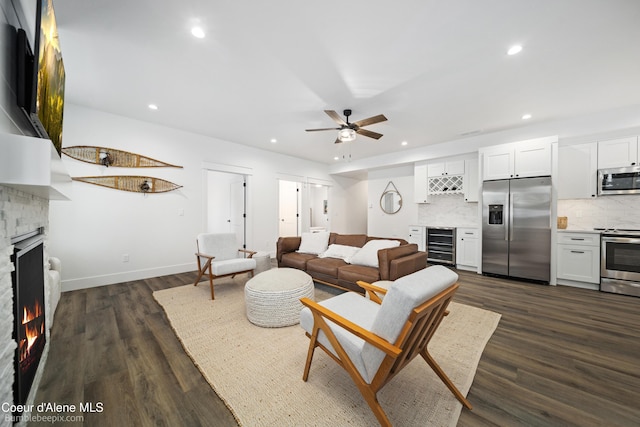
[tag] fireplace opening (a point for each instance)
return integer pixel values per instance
(29, 306)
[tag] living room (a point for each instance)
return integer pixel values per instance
(106, 237)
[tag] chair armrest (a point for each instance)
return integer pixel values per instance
(245, 251)
(373, 291)
(200, 254)
(368, 336)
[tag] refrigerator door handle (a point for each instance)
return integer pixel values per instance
(510, 228)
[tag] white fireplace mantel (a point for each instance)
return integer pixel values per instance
(34, 166)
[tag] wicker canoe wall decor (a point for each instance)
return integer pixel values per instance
(136, 184)
(111, 157)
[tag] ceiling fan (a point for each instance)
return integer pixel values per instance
(348, 130)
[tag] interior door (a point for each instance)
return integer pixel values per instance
(226, 204)
(237, 217)
(289, 209)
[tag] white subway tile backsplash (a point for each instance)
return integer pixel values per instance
(448, 211)
(608, 211)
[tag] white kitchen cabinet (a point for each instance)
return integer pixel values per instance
(618, 153)
(417, 236)
(445, 168)
(578, 171)
(578, 259)
(517, 160)
(467, 248)
(471, 187)
(420, 184)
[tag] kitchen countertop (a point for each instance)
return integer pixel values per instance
(573, 230)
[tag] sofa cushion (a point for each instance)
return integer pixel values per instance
(368, 255)
(328, 266)
(295, 260)
(314, 243)
(353, 273)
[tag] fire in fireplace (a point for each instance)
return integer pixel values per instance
(29, 317)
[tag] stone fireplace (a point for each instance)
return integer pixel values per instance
(21, 213)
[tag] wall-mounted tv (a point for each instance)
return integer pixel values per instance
(41, 76)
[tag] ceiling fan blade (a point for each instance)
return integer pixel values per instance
(315, 130)
(338, 141)
(371, 120)
(336, 117)
(370, 134)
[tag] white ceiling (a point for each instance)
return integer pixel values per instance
(267, 69)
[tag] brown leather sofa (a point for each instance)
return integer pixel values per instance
(393, 262)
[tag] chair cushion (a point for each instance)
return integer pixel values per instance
(355, 308)
(220, 245)
(295, 260)
(230, 266)
(353, 273)
(403, 296)
(328, 266)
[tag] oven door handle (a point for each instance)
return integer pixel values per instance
(620, 239)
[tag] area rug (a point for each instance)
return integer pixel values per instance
(257, 371)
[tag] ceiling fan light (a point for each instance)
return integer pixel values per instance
(347, 135)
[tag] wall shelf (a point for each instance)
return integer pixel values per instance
(34, 166)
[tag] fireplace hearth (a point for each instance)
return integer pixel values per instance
(29, 310)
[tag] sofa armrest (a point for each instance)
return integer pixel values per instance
(285, 245)
(400, 261)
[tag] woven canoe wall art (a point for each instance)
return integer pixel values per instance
(118, 158)
(136, 184)
(112, 157)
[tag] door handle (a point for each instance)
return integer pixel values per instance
(510, 228)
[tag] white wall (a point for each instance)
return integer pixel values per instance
(92, 233)
(396, 225)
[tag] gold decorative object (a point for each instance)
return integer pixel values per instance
(112, 157)
(136, 184)
(562, 222)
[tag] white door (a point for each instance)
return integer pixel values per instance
(237, 212)
(289, 214)
(226, 204)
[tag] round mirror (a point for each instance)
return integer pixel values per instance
(391, 201)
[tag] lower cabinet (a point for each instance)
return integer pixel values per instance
(467, 249)
(579, 259)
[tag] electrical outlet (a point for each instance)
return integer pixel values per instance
(125, 258)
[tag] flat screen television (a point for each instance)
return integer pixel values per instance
(41, 76)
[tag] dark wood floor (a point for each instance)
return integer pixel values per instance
(560, 357)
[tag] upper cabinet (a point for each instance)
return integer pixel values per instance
(578, 171)
(517, 160)
(616, 153)
(445, 168)
(471, 187)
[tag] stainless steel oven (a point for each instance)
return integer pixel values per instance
(620, 263)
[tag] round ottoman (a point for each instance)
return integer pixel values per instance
(273, 297)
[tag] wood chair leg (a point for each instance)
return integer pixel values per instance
(445, 379)
(201, 272)
(211, 281)
(312, 347)
(372, 400)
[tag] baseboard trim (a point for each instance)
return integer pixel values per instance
(127, 276)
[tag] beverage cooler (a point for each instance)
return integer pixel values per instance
(441, 245)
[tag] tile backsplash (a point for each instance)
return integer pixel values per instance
(607, 211)
(448, 210)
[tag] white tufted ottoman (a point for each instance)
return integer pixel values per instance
(273, 297)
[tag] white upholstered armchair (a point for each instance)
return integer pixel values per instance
(373, 339)
(219, 254)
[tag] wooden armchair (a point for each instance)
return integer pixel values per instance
(221, 257)
(373, 342)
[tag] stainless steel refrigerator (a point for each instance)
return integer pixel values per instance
(516, 228)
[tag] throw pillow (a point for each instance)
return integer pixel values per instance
(340, 251)
(314, 243)
(368, 255)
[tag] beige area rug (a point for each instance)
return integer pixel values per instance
(258, 371)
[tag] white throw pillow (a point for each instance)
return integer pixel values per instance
(368, 255)
(340, 251)
(314, 243)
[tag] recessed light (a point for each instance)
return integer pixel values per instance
(153, 107)
(514, 50)
(273, 140)
(197, 32)
(526, 116)
(404, 143)
(336, 158)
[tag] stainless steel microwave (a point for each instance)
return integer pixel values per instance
(619, 181)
